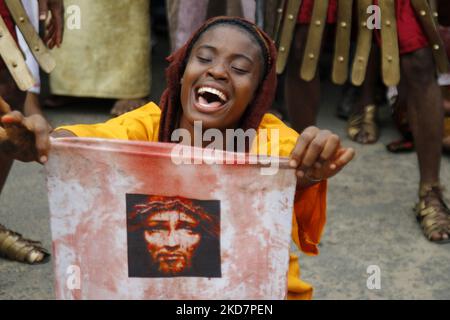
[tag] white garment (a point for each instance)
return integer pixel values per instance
(444, 79)
(32, 10)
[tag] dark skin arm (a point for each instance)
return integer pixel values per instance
(25, 138)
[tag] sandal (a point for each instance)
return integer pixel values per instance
(432, 213)
(400, 146)
(14, 247)
(362, 127)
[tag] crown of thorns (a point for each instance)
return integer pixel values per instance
(155, 204)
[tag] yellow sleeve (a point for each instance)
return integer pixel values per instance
(141, 124)
(274, 138)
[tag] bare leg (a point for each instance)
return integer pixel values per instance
(447, 101)
(446, 98)
(17, 248)
(32, 104)
(400, 106)
(424, 112)
(5, 167)
(302, 97)
(426, 118)
(11, 94)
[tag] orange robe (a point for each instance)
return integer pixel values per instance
(310, 204)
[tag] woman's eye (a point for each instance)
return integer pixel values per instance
(203, 59)
(240, 70)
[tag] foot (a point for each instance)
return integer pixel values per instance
(433, 214)
(399, 146)
(124, 106)
(362, 127)
(14, 247)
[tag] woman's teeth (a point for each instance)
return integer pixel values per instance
(213, 91)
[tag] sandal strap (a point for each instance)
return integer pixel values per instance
(426, 188)
(13, 246)
(433, 217)
(367, 119)
(430, 220)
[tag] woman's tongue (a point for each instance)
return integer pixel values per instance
(212, 105)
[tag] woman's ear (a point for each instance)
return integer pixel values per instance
(181, 81)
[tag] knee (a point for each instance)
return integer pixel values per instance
(419, 68)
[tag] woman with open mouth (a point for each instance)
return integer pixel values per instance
(224, 77)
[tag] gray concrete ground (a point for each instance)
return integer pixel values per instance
(370, 219)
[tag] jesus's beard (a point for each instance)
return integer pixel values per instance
(173, 264)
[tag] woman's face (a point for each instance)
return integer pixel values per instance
(221, 77)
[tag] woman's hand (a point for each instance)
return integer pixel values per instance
(318, 155)
(23, 138)
(54, 28)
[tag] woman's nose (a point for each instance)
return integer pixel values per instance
(218, 71)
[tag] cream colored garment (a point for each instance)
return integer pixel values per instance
(109, 56)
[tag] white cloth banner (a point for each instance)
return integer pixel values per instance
(130, 222)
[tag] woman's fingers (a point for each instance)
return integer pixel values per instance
(29, 135)
(346, 155)
(4, 107)
(13, 117)
(41, 130)
(312, 154)
(302, 145)
(319, 152)
(49, 33)
(332, 144)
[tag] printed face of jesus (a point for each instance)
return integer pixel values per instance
(172, 239)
